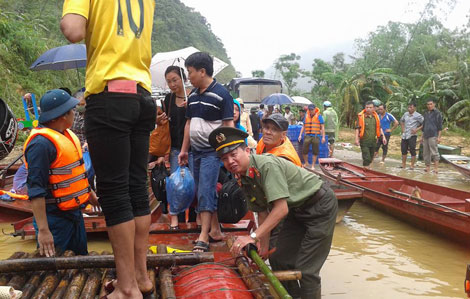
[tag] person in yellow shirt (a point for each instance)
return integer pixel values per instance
(120, 116)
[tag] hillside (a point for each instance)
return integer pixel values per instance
(29, 28)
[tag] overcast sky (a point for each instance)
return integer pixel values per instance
(256, 32)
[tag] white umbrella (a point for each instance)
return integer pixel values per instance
(301, 100)
(161, 61)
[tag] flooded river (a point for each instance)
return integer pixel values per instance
(373, 255)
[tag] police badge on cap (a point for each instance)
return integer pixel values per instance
(226, 139)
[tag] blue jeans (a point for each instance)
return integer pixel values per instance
(206, 172)
(174, 160)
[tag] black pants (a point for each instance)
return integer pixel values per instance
(117, 127)
(409, 145)
(380, 143)
(304, 242)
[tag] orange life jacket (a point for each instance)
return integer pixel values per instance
(361, 123)
(284, 150)
(67, 176)
(312, 125)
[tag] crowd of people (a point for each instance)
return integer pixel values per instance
(375, 125)
(116, 118)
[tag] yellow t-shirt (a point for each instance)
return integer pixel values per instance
(118, 43)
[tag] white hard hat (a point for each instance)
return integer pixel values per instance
(327, 103)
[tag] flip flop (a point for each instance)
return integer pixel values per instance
(109, 286)
(201, 246)
(174, 227)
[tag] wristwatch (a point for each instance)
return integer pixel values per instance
(253, 236)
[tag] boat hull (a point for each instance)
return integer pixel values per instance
(438, 209)
(454, 161)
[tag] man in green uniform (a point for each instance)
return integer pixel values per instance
(279, 189)
(367, 131)
(331, 122)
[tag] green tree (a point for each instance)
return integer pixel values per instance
(289, 68)
(257, 74)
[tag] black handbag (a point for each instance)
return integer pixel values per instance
(232, 206)
(158, 183)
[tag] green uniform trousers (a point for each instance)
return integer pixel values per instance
(304, 242)
(368, 151)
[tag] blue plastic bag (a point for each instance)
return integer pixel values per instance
(180, 189)
(88, 166)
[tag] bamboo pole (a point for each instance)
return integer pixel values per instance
(252, 282)
(47, 286)
(108, 275)
(152, 273)
(5, 278)
(166, 281)
(284, 275)
(67, 277)
(76, 285)
(92, 284)
(106, 261)
(277, 285)
(32, 284)
(19, 280)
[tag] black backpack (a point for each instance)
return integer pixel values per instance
(232, 205)
(158, 182)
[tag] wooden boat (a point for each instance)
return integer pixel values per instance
(346, 193)
(442, 149)
(438, 209)
(460, 163)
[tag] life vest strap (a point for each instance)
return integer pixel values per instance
(67, 183)
(67, 169)
(68, 197)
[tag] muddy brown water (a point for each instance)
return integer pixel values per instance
(373, 255)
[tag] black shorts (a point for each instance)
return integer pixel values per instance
(331, 137)
(409, 145)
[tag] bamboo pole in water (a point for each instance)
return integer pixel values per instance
(252, 282)
(5, 278)
(92, 284)
(107, 261)
(166, 281)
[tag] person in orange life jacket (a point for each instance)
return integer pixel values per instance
(313, 128)
(367, 131)
(275, 141)
(57, 181)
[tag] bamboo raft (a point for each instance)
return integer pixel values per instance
(174, 275)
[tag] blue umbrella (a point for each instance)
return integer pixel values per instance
(61, 58)
(277, 99)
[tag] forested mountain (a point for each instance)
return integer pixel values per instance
(30, 27)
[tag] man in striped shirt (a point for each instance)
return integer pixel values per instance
(209, 106)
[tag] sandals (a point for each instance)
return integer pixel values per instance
(201, 246)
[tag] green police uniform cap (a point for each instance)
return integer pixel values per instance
(226, 139)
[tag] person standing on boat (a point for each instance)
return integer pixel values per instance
(314, 130)
(279, 189)
(367, 131)
(411, 122)
(275, 141)
(119, 118)
(210, 105)
(386, 120)
(432, 128)
(57, 182)
(331, 122)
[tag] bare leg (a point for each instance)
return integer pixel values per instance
(122, 240)
(216, 232)
(436, 166)
(332, 149)
(206, 218)
(305, 160)
(173, 220)
(142, 225)
(413, 160)
(314, 160)
(403, 161)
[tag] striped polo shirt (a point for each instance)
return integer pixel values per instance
(207, 110)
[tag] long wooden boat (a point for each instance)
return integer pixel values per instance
(460, 163)
(346, 193)
(438, 209)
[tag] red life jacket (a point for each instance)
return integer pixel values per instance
(67, 176)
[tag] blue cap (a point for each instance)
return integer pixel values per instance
(311, 106)
(55, 103)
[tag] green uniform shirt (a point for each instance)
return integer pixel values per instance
(370, 136)
(270, 178)
(331, 119)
